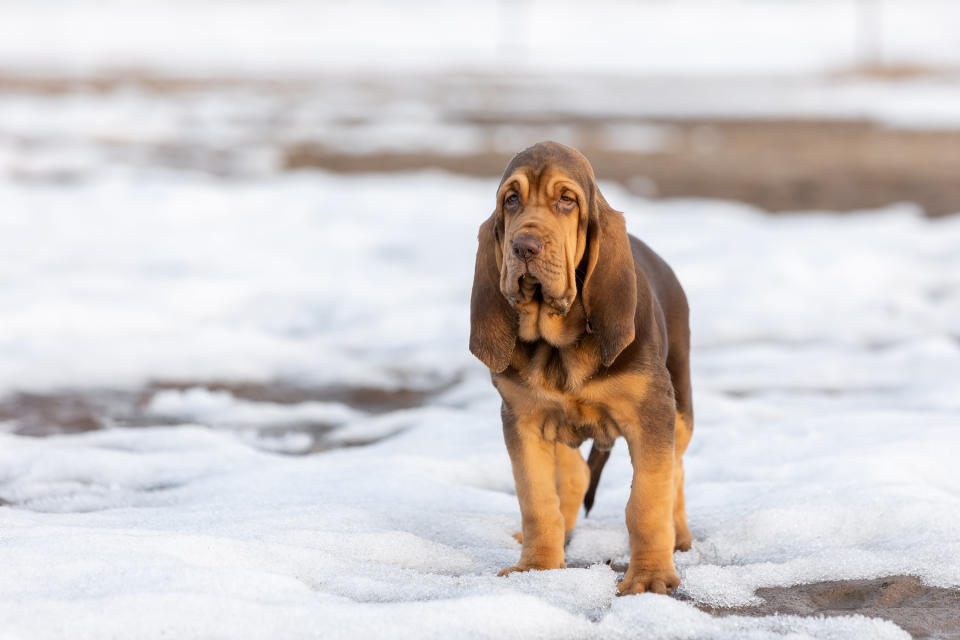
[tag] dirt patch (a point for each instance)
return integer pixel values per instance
(38, 414)
(369, 399)
(66, 412)
(777, 165)
(897, 71)
(141, 79)
(921, 610)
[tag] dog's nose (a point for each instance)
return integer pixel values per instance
(526, 247)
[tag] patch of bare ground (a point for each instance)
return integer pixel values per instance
(65, 412)
(921, 610)
(369, 399)
(105, 82)
(901, 71)
(43, 414)
(777, 165)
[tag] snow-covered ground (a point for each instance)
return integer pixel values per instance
(826, 358)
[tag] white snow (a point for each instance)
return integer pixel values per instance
(825, 355)
(222, 408)
(183, 531)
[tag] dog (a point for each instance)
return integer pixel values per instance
(586, 334)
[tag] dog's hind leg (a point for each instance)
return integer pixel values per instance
(572, 479)
(684, 429)
(679, 368)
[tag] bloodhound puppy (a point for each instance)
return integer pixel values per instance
(585, 331)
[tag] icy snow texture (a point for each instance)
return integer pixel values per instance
(825, 359)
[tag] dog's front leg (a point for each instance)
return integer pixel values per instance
(534, 471)
(650, 507)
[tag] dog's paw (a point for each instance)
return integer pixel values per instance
(663, 581)
(524, 567)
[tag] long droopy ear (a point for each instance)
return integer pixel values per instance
(610, 282)
(493, 322)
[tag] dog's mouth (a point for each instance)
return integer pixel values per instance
(529, 289)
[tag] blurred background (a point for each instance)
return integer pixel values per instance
(785, 104)
(258, 198)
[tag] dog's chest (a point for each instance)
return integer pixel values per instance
(551, 370)
(554, 383)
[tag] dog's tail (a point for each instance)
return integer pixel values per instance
(596, 460)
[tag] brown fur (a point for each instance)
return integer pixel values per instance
(589, 338)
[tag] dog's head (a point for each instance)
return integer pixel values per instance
(552, 238)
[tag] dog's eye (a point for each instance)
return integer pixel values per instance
(568, 198)
(512, 201)
(567, 203)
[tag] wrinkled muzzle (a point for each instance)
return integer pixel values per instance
(537, 267)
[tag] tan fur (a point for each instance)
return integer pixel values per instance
(534, 474)
(683, 431)
(588, 338)
(571, 479)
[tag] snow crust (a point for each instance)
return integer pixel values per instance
(825, 362)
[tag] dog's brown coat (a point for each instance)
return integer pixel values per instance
(610, 361)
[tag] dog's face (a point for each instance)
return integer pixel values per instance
(543, 212)
(551, 240)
